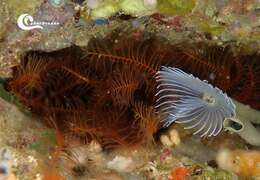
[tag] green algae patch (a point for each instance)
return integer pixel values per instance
(132, 7)
(106, 10)
(212, 29)
(135, 7)
(176, 7)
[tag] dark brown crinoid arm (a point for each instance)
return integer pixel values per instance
(211, 63)
(141, 55)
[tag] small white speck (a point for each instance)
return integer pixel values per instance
(212, 76)
(32, 159)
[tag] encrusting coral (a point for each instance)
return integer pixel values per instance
(244, 163)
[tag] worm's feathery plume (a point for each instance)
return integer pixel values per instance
(186, 99)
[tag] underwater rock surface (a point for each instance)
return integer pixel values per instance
(215, 22)
(30, 149)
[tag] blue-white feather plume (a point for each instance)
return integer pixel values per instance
(186, 99)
